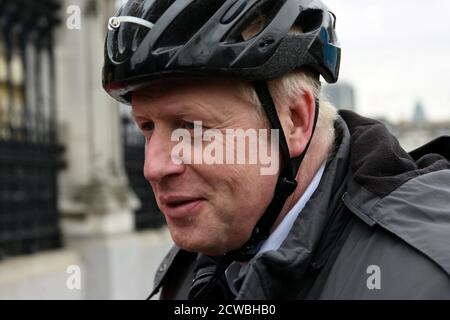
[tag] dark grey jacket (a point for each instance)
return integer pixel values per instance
(377, 227)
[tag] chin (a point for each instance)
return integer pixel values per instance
(200, 247)
(206, 243)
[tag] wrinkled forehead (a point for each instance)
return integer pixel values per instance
(190, 88)
(207, 94)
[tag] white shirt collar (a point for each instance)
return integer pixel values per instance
(280, 233)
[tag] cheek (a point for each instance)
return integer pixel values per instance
(249, 191)
(250, 197)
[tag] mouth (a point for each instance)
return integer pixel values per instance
(177, 208)
(178, 203)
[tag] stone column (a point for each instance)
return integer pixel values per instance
(96, 202)
(95, 198)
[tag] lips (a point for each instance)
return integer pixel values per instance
(177, 207)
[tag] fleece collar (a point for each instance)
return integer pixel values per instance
(378, 162)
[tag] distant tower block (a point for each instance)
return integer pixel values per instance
(419, 116)
(342, 95)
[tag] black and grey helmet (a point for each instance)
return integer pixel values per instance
(151, 39)
(155, 39)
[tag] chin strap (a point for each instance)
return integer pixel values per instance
(208, 280)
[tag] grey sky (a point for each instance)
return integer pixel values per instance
(394, 53)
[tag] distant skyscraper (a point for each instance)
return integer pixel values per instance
(419, 116)
(342, 95)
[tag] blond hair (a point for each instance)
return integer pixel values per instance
(291, 86)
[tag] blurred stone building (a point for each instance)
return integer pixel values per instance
(72, 191)
(418, 130)
(411, 135)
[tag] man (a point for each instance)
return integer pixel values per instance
(349, 213)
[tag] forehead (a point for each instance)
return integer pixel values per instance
(165, 87)
(195, 93)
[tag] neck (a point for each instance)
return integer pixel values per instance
(308, 169)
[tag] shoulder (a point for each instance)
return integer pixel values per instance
(418, 213)
(405, 237)
(376, 264)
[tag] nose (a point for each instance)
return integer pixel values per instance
(158, 162)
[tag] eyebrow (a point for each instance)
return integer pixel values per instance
(185, 110)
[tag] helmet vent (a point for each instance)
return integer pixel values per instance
(155, 11)
(308, 20)
(254, 21)
(183, 27)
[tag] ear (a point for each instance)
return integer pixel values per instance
(299, 122)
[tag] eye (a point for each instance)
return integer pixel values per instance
(147, 126)
(198, 124)
(189, 125)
